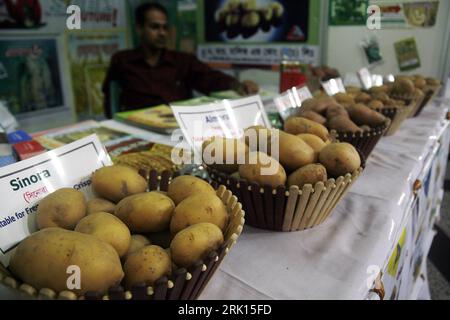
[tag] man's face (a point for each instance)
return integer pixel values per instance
(154, 32)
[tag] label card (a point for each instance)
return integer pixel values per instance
(227, 118)
(24, 183)
(365, 77)
(291, 99)
(333, 86)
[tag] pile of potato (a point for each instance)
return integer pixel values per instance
(126, 236)
(306, 155)
(344, 112)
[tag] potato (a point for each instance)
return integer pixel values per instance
(62, 208)
(184, 186)
(258, 138)
(344, 98)
(99, 205)
(263, 169)
(310, 174)
(362, 97)
(294, 152)
(403, 87)
(340, 159)
(336, 110)
(362, 115)
(344, 124)
(383, 88)
(297, 125)
(108, 228)
(380, 96)
(224, 154)
(319, 104)
(137, 242)
(146, 212)
(117, 182)
(353, 90)
(199, 208)
(195, 243)
(42, 261)
(313, 116)
(314, 142)
(147, 265)
(375, 104)
(433, 82)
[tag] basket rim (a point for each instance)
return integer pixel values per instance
(376, 131)
(8, 279)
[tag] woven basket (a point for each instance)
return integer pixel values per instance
(287, 209)
(184, 284)
(364, 141)
(397, 116)
(430, 93)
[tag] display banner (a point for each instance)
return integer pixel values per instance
(264, 54)
(290, 100)
(24, 183)
(227, 118)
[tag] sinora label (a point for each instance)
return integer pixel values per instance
(23, 184)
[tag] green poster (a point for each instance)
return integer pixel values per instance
(407, 54)
(348, 12)
(187, 26)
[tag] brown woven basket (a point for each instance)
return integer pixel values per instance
(184, 284)
(397, 116)
(287, 209)
(430, 93)
(413, 101)
(364, 141)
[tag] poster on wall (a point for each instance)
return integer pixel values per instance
(348, 12)
(258, 32)
(256, 21)
(187, 26)
(407, 14)
(30, 74)
(89, 57)
(43, 16)
(407, 54)
(100, 14)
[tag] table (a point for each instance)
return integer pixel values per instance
(340, 258)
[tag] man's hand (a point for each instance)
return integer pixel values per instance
(246, 87)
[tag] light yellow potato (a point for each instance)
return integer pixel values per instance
(314, 142)
(146, 212)
(258, 138)
(99, 205)
(137, 242)
(313, 116)
(298, 125)
(294, 152)
(146, 265)
(195, 243)
(42, 261)
(199, 208)
(340, 159)
(108, 228)
(224, 154)
(117, 182)
(62, 208)
(253, 171)
(184, 186)
(344, 98)
(310, 174)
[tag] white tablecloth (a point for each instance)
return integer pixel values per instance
(335, 260)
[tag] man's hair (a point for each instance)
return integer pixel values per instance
(142, 9)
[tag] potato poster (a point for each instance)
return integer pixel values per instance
(256, 21)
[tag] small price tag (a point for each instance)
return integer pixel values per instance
(365, 77)
(291, 99)
(23, 184)
(333, 86)
(227, 118)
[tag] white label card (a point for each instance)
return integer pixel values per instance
(366, 78)
(292, 98)
(333, 86)
(227, 118)
(23, 184)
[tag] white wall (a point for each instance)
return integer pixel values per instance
(345, 53)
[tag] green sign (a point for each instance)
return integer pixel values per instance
(348, 12)
(407, 54)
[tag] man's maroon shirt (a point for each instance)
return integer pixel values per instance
(173, 79)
